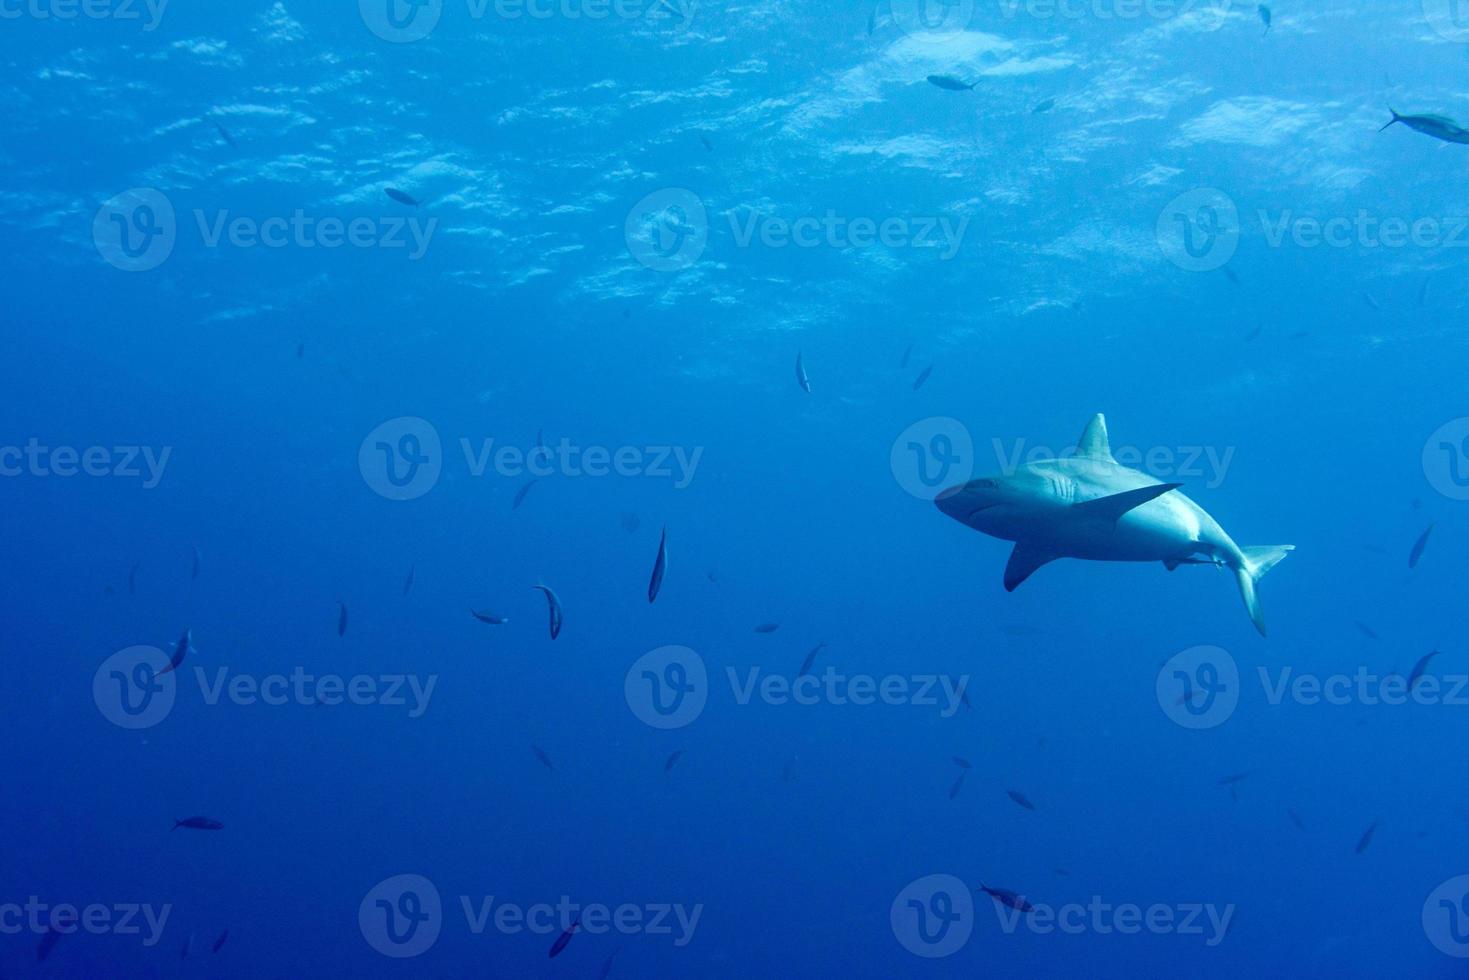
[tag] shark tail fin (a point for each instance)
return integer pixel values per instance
(1258, 561)
(1395, 118)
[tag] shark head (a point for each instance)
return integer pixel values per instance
(999, 506)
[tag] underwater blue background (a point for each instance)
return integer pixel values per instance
(1323, 372)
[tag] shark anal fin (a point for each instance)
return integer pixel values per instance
(1111, 508)
(1024, 560)
(1094, 443)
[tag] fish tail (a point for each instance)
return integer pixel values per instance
(1395, 118)
(1254, 563)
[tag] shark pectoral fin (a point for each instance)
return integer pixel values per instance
(1110, 509)
(1024, 560)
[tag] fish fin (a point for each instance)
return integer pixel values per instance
(1024, 560)
(1257, 561)
(1395, 118)
(1112, 507)
(1094, 444)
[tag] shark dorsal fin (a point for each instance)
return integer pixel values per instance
(1094, 440)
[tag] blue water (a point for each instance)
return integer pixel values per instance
(1117, 218)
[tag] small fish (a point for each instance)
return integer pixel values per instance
(810, 659)
(958, 784)
(631, 523)
(1439, 127)
(767, 627)
(950, 82)
(1367, 631)
(400, 197)
(1295, 818)
(224, 134)
(198, 564)
(1231, 275)
(1418, 546)
(489, 619)
(180, 651)
(1265, 18)
(1020, 799)
(520, 494)
(1235, 778)
(872, 19)
(962, 762)
(1366, 839)
(1371, 302)
(907, 356)
(197, 823)
(672, 760)
(554, 605)
(220, 941)
(802, 378)
(408, 582)
(1007, 898)
(300, 350)
(707, 145)
(923, 377)
(1423, 291)
(48, 942)
(341, 618)
(1045, 105)
(660, 567)
(188, 946)
(564, 938)
(543, 758)
(1419, 668)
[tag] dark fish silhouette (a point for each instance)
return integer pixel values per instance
(220, 941)
(950, 82)
(962, 762)
(673, 760)
(188, 947)
(489, 618)
(47, 944)
(1062, 872)
(707, 145)
(180, 651)
(660, 567)
(1439, 127)
(1007, 898)
(802, 378)
(1020, 799)
(958, 784)
(554, 604)
(907, 355)
(631, 522)
(408, 582)
(607, 964)
(543, 758)
(400, 197)
(1231, 275)
(1367, 631)
(1418, 546)
(197, 823)
(767, 627)
(810, 659)
(300, 350)
(1423, 291)
(1371, 302)
(225, 135)
(1295, 818)
(923, 377)
(341, 618)
(1366, 839)
(564, 938)
(520, 494)
(1419, 668)
(1044, 106)
(198, 563)
(1235, 778)
(1265, 18)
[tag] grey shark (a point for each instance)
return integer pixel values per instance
(1090, 506)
